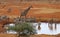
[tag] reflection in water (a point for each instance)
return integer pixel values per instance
(46, 30)
(55, 26)
(52, 26)
(39, 25)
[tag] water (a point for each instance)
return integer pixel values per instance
(44, 29)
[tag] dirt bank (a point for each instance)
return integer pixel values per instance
(42, 35)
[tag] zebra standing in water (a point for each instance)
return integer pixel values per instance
(50, 24)
(39, 23)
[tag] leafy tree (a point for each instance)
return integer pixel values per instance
(23, 29)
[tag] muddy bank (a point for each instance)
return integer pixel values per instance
(42, 35)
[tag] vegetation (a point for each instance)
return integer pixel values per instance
(24, 29)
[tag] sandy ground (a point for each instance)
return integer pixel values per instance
(37, 10)
(42, 35)
(44, 11)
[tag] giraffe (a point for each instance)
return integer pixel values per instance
(24, 13)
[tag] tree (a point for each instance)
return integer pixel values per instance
(24, 29)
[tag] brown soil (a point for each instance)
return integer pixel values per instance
(37, 10)
(42, 35)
